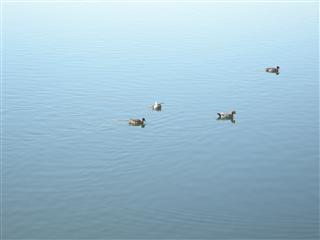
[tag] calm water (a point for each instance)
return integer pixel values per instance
(74, 73)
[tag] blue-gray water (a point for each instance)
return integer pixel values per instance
(74, 73)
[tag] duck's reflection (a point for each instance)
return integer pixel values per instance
(135, 125)
(224, 119)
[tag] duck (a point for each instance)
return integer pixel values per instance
(273, 70)
(227, 115)
(157, 106)
(137, 122)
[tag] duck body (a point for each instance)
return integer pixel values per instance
(156, 106)
(273, 70)
(226, 115)
(137, 122)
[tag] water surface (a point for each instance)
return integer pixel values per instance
(74, 73)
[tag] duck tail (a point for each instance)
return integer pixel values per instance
(219, 114)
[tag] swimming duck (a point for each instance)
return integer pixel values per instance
(157, 106)
(273, 70)
(137, 122)
(227, 115)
